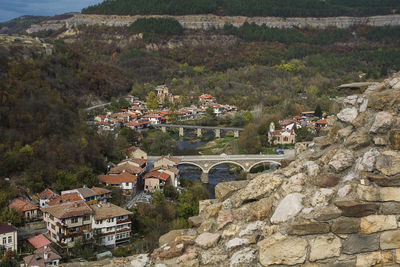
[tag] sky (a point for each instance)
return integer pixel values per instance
(10, 9)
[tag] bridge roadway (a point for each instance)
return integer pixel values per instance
(246, 162)
(199, 128)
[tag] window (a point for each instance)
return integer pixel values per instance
(126, 184)
(9, 239)
(86, 218)
(74, 220)
(4, 240)
(285, 139)
(110, 220)
(109, 229)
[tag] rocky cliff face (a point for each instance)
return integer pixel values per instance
(206, 22)
(337, 204)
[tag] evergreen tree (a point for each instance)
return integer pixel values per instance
(318, 111)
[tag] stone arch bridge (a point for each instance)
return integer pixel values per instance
(199, 129)
(246, 162)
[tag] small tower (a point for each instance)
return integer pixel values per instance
(272, 127)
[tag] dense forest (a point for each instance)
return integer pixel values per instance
(281, 8)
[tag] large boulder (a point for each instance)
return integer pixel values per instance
(348, 115)
(383, 121)
(226, 189)
(342, 160)
(207, 240)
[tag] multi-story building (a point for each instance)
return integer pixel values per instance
(91, 195)
(46, 196)
(111, 224)
(68, 222)
(8, 237)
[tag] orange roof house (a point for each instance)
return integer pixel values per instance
(29, 210)
(39, 241)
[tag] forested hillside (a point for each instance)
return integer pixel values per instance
(281, 8)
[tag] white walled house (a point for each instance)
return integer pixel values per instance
(111, 224)
(125, 181)
(8, 236)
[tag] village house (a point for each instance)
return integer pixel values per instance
(308, 114)
(8, 237)
(207, 99)
(29, 210)
(155, 180)
(91, 195)
(321, 123)
(125, 180)
(154, 118)
(46, 196)
(127, 168)
(218, 110)
(135, 152)
(39, 241)
(45, 256)
(138, 124)
(171, 171)
(166, 161)
(68, 222)
(111, 224)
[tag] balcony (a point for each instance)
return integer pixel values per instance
(124, 221)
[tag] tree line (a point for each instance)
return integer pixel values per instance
(279, 8)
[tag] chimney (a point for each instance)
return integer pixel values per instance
(45, 254)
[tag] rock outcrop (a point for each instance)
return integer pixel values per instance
(335, 205)
(206, 22)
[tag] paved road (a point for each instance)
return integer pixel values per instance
(98, 106)
(198, 127)
(288, 154)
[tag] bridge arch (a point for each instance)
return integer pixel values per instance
(193, 164)
(227, 161)
(263, 161)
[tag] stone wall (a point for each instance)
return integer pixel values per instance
(212, 21)
(337, 204)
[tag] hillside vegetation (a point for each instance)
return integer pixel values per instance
(280, 8)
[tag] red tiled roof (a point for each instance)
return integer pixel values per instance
(48, 194)
(100, 191)
(321, 122)
(126, 167)
(157, 174)
(39, 241)
(70, 197)
(68, 209)
(117, 179)
(206, 96)
(22, 205)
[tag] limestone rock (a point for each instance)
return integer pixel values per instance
(312, 168)
(357, 141)
(347, 115)
(390, 193)
(309, 228)
(206, 226)
(325, 246)
(226, 189)
(294, 184)
(376, 258)
(376, 223)
(207, 240)
(170, 251)
(367, 162)
(261, 209)
(282, 250)
(345, 132)
(244, 257)
(380, 141)
(140, 260)
(344, 191)
(356, 209)
(383, 180)
(191, 254)
(394, 138)
(342, 160)
(230, 231)
(346, 225)
(205, 203)
(388, 163)
(211, 259)
(383, 121)
(235, 243)
(289, 207)
(321, 197)
(195, 221)
(261, 186)
(224, 217)
(170, 236)
(251, 228)
(390, 208)
(359, 243)
(390, 239)
(350, 176)
(212, 210)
